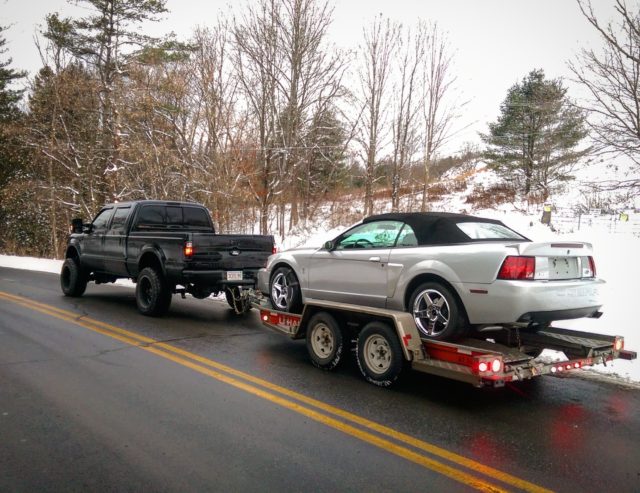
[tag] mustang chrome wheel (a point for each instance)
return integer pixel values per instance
(431, 312)
(281, 291)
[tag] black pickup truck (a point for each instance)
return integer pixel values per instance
(165, 248)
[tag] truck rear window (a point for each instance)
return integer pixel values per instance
(173, 217)
(195, 217)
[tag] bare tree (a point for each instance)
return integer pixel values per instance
(612, 77)
(290, 76)
(310, 81)
(376, 53)
(256, 59)
(439, 108)
(406, 105)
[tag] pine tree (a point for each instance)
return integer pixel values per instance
(535, 142)
(106, 40)
(13, 154)
(10, 154)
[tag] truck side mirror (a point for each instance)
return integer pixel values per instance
(87, 228)
(76, 225)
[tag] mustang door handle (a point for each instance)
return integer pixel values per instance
(374, 259)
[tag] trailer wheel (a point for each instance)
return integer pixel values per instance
(380, 356)
(73, 278)
(153, 296)
(324, 341)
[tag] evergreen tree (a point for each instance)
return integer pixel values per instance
(107, 39)
(535, 142)
(10, 153)
(13, 154)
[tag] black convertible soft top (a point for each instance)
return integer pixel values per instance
(436, 228)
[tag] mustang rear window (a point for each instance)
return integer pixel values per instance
(488, 231)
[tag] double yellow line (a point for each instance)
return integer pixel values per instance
(457, 467)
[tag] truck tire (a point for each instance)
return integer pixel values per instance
(379, 354)
(437, 312)
(153, 296)
(284, 291)
(324, 341)
(73, 278)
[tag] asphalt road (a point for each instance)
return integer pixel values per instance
(96, 397)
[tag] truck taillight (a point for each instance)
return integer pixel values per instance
(188, 249)
(274, 249)
(517, 268)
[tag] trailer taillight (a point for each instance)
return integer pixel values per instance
(618, 344)
(488, 365)
(188, 249)
(518, 268)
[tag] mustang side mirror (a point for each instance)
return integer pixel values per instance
(328, 245)
(76, 225)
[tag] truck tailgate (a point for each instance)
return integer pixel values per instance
(229, 252)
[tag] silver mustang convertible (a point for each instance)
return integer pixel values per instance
(453, 272)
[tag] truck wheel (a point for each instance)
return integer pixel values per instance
(436, 312)
(284, 290)
(380, 356)
(73, 278)
(153, 296)
(324, 341)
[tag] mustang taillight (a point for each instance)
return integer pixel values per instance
(515, 268)
(592, 265)
(188, 249)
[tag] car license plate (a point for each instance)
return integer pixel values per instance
(234, 275)
(563, 268)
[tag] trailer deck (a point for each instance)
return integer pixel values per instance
(491, 358)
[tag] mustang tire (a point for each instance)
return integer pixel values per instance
(73, 279)
(284, 290)
(153, 296)
(380, 356)
(436, 312)
(324, 341)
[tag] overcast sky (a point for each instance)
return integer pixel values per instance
(497, 42)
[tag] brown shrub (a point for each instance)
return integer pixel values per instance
(486, 198)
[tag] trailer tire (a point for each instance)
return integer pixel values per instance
(73, 278)
(325, 342)
(153, 296)
(379, 354)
